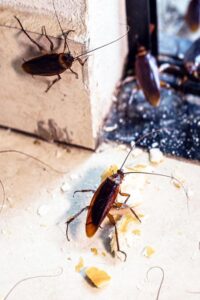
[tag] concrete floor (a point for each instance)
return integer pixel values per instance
(39, 201)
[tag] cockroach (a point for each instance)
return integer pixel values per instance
(192, 16)
(192, 59)
(104, 199)
(53, 64)
(189, 67)
(147, 75)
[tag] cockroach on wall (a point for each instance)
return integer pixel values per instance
(53, 64)
(105, 198)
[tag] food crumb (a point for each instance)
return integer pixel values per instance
(109, 172)
(80, 265)
(137, 231)
(103, 253)
(156, 156)
(98, 277)
(148, 251)
(94, 251)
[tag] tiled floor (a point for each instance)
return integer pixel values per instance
(39, 201)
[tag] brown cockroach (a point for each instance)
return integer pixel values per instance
(192, 16)
(53, 64)
(104, 199)
(147, 75)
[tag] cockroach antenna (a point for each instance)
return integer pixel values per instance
(29, 278)
(65, 40)
(107, 44)
(162, 279)
(34, 158)
(4, 196)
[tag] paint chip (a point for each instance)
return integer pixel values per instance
(98, 277)
(42, 210)
(65, 187)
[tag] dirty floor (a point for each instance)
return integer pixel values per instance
(39, 200)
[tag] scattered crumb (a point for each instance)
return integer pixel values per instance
(94, 251)
(179, 182)
(148, 251)
(74, 176)
(37, 142)
(136, 152)
(58, 154)
(65, 187)
(108, 172)
(80, 265)
(103, 253)
(136, 231)
(137, 168)
(98, 277)
(42, 210)
(156, 156)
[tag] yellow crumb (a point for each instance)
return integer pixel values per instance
(103, 253)
(109, 172)
(98, 277)
(137, 231)
(80, 265)
(94, 251)
(137, 168)
(148, 251)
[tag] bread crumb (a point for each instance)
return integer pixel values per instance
(94, 251)
(148, 251)
(156, 156)
(80, 265)
(109, 172)
(98, 277)
(137, 231)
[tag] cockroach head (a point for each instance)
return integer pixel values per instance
(68, 59)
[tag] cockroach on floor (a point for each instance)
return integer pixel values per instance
(53, 64)
(192, 16)
(104, 199)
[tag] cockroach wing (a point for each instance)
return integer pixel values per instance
(44, 65)
(100, 205)
(192, 16)
(148, 77)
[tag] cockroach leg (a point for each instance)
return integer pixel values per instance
(52, 83)
(164, 85)
(28, 36)
(65, 34)
(83, 191)
(112, 221)
(125, 195)
(73, 218)
(82, 62)
(124, 205)
(48, 38)
(76, 74)
(134, 213)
